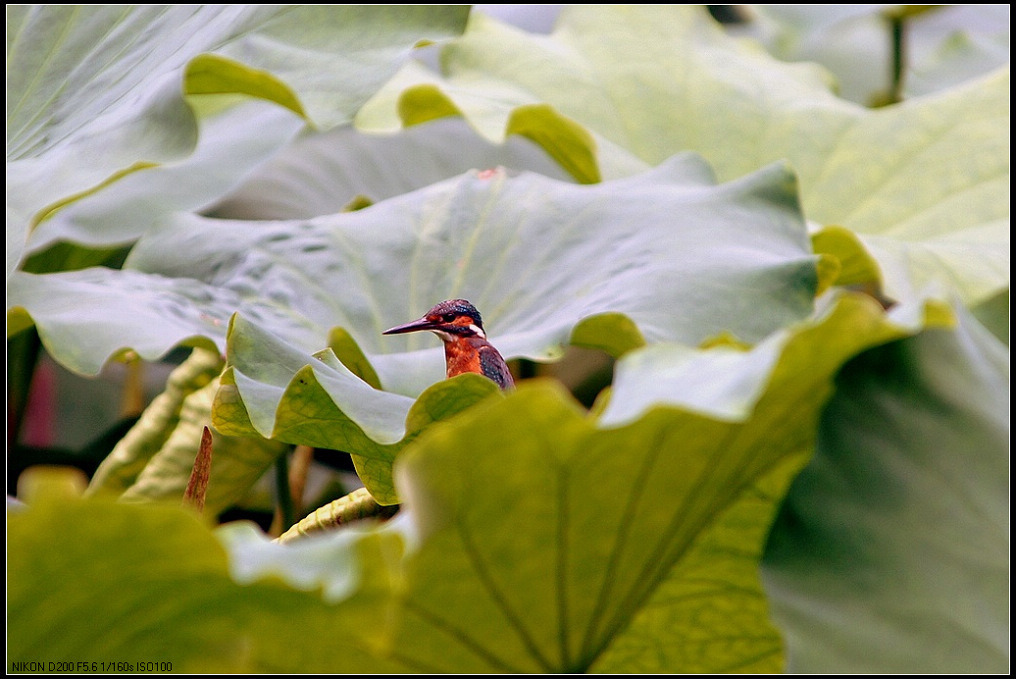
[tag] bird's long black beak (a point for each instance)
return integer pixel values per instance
(412, 326)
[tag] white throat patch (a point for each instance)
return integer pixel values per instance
(449, 337)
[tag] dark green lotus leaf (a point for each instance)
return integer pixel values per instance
(96, 92)
(543, 544)
(126, 583)
(924, 183)
(994, 315)
(892, 551)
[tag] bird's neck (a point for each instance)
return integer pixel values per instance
(462, 355)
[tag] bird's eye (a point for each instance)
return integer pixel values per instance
(448, 318)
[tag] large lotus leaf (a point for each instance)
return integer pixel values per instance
(96, 92)
(892, 551)
(87, 317)
(323, 172)
(231, 144)
(706, 615)
(125, 584)
(925, 183)
(684, 258)
(639, 246)
(541, 543)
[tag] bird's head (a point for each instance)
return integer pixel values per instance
(449, 320)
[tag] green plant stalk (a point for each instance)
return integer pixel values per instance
(285, 498)
(898, 35)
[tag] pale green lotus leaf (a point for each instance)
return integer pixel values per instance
(323, 171)
(17, 236)
(86, 318)
(232, 143)
(925, 183)
(98, 92)
(534, 255)
(726, 382)
(962, 57)
(684, 258)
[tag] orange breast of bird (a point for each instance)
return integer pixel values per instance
(462, 356)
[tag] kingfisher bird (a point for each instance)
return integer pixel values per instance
(458, 324)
